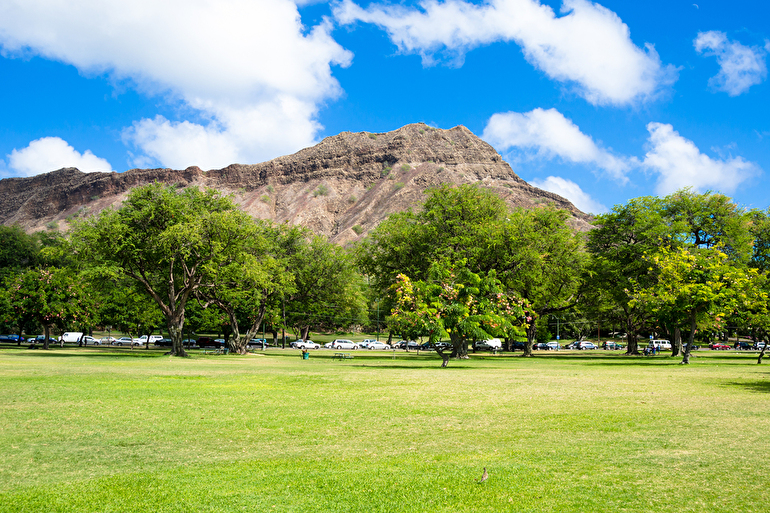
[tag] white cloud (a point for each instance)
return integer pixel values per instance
(740, 67)
(550, 134)
(241, 64)
(588, 46)
(52, 153)
(681, 164)
(572, 192)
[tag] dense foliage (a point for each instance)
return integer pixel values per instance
(464, 267)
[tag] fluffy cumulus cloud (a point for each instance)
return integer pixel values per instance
(740, 67)
(549, 134)
(572, 191)
(588, 46)
(250, 70)
(52, 153)
(681, 164)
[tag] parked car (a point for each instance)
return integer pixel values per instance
(378, 345)
(305, 344)
(443, 345)
(573, 345)
(107, 340)
(759, 345)
(260, 343)
(364, 344)
(540, 345)
(586, 345)
(744, 345)
(71, 337)
(152, 338)
(208, 342)
(718, 346)
(126, 341)
(188, 342)
(611, 345)
(341, 343)
(494, 344)
(553, 346)
(661, 344)
(90, 340)
(517, 346)
(164, 342)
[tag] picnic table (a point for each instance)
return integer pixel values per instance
(342, 356)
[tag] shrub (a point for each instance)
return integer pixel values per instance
(270, 189)
(265, 198)
(398, 185)
(386, 171)
(321, 190)
(53, 225)
(372, 136)
(406, 167)
(358, 229)
(352, 200)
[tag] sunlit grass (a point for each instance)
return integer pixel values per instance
(117, 430)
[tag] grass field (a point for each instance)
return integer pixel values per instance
(110, 430)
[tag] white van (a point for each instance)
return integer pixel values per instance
(153, 339)
(661, 344)
(71, 337)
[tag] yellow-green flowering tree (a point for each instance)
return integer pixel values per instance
(701, 286)
(457, 303)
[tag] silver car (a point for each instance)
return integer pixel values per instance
(341, 343)
(378, 345)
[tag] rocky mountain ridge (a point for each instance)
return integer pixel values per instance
(342, 187)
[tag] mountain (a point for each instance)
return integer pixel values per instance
(342, 187)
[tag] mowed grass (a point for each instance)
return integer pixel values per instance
(107, 430)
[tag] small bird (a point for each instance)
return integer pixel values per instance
(484, 476)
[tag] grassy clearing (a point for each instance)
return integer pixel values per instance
(117, 430)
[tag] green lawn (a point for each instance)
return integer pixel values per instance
(111, 430)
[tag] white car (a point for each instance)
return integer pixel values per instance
(126, 341)
(364, 344)
(153, 339)
(341, 343)
(107, 340)
(553, 346)
(305, 344)
(376, 344)
(661, 344)
(90, 340)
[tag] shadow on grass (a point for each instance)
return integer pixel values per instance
(754, 386)
(57, 352)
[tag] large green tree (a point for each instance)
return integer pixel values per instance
(699, 285)
(162, 237)
(455, 302)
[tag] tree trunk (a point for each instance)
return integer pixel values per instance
(633, 343)
(690, 340)
(459, 346)
(676, 347)
(531, 332)
(176, 333)
(46, 342)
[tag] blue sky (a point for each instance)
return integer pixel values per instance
(599, 102)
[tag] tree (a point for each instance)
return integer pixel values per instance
(458, 303)
(701, 286)
(247, 274)
(539, 258)
(617, 246)
(52, 296)
(163, 238)
(328, 291)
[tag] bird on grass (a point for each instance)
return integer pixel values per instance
(484, 476)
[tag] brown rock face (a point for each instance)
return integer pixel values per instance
(342, 187)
